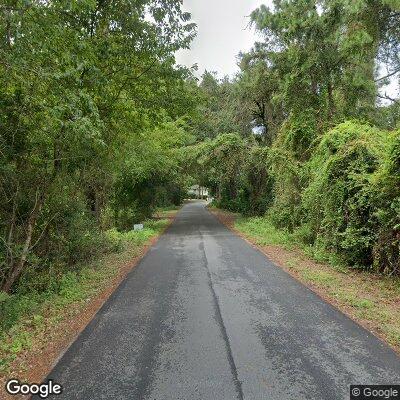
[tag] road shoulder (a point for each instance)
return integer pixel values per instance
(56, 327)
(371, 300)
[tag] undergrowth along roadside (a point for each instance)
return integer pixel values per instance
(24, 316)
(371, 299)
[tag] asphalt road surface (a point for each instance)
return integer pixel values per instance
(206, 316)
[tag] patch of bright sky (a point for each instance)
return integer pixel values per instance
(224, 31)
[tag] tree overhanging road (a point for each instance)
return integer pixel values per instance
(206, 316)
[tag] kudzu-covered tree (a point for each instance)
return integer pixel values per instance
(315, 147)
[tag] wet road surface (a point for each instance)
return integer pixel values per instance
(206, 316)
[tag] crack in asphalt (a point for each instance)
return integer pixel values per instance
(220, 321)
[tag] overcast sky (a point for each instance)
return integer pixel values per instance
(222, 33)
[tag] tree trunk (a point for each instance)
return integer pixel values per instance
(331, 102)
(19, 266)
(10, 256)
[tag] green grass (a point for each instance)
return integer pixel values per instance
(352, 300)
(263, 231)
(360, 294)
(320, 277)
(22, 315)
(168, 208)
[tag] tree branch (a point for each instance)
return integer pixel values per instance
(386, 97)
(42, 233)
(388, 75)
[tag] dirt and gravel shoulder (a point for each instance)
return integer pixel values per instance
(371, 300)
(55, 328)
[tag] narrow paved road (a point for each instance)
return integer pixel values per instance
(206, 316)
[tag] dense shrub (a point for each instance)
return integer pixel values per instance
(191, 196)
(223, 157)
(339, 201)
(255, 192)
(288, 174)
(239, 176)
(298, 134)
(338, 192)
(80, 133)
(288, 155)
(386, 189)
